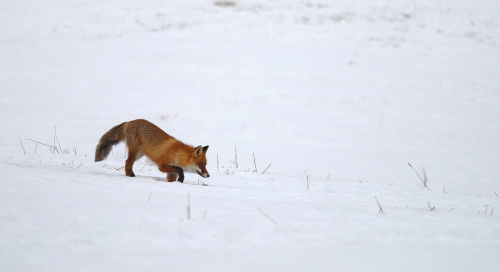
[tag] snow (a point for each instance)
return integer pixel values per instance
(336, 96)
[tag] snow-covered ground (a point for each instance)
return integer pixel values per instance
(336, 96)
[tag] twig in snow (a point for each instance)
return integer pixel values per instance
(25, 150)
(266, 168)
(268, 217)
(424, 181)
(35, 147)
(217, 162)
(149, 196)
(304, 172)
(492, 212)
(495, 193)
(486, 208)
(79, 166)
(307, 182)
(204, 184)
(380, 207)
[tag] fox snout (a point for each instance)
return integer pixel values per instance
(204, 174)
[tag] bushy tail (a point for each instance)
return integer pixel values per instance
(108, 140)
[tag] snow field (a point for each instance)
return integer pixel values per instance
(342, 94)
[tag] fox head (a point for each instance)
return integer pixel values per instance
(200, 161)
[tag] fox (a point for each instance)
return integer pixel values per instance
(145, 138)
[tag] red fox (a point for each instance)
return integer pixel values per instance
(144, 138)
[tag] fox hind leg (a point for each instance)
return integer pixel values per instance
(132, 155)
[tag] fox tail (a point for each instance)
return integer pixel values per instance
(108, 140)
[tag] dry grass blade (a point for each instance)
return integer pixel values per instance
(57, 138)
(225, 3)
(235, 158)
(380, 207)
(425, 175)
(267, 168)
(144, 165)
(38, 142)
(25, 150)
(268, 217)
(254, 163)
(431, 208)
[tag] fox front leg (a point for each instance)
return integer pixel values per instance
(173, 172)
(172, 176)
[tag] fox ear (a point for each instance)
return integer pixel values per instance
(197, 151)
(205, 148)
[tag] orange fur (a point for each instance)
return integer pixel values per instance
(144, 138)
